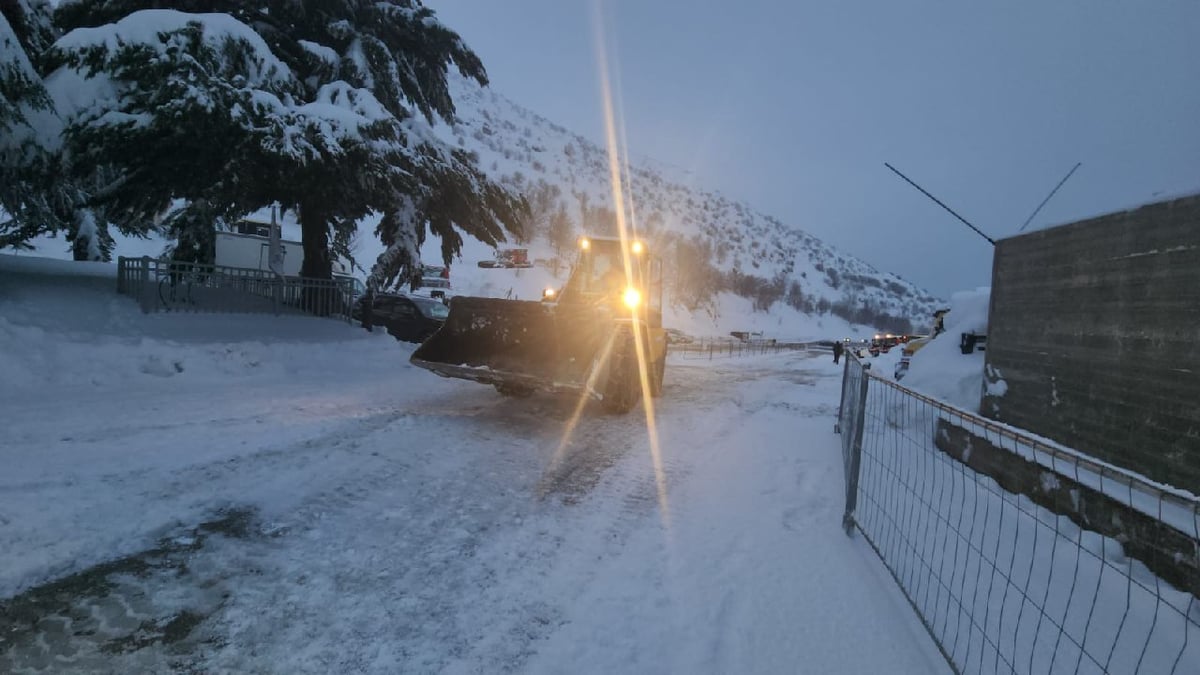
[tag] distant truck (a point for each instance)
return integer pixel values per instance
(508, 258)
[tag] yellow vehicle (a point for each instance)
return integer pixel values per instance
(582, 338)
(914, 345)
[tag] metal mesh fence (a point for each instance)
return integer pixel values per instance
(709, 349)
(163, 285)
(1019, 556)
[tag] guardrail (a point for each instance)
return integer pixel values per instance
(1019, 556)
(165, 285)
(710, 349)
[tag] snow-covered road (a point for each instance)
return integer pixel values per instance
(405, 523)
(322, 506)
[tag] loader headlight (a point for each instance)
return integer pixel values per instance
(548, 294)
(632, 298)
(638, 248)
(585, 243)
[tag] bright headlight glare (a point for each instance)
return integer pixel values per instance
(638, 247)
(632, 298)
(548, 293)
(585, 243)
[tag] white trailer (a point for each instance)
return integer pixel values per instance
(249, 251)
(252, 251)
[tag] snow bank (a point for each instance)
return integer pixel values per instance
(940, 369)
(64, 329)
(735, 313)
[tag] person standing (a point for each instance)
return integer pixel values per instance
(837, 351)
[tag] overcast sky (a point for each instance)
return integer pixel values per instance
(795, 106)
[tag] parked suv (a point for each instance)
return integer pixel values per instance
(405, 317)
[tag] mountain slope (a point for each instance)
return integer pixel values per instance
(711, 243)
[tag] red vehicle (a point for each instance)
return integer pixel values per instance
(508, 258)
(882, 344)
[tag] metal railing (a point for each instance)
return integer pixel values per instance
(710, 349)
(1018, 555)
(165, 285)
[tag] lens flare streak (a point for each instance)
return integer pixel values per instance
(590, 386)
(622, 207)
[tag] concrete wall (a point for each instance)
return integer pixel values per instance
(1170, 553)
(1094, 328)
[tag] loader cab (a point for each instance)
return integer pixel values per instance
(599, 277)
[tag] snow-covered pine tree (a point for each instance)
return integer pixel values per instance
(31, 22)
(400, 52)
(176, 107)
(191, 225)
(327, 110)
(26, 205)
(37, 190)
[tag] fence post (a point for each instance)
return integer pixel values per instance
(860, 414)
(837, 424)
(121, 275)
(144, 290)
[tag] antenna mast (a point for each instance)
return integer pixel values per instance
(1039, 208)
(939, 203)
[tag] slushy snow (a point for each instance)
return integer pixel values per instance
(401, 522)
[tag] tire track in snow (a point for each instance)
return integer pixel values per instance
(626, 500)
(651, 569)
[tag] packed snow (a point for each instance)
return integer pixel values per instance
(282, 494)
(940, 369)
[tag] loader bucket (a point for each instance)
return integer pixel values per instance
(515, 343)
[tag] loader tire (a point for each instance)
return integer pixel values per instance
(514, 391)
(623, 388)
(657, 370)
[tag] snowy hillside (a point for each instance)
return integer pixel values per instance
(529, 152)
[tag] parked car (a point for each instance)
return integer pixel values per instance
(436, 288)
(408, 318)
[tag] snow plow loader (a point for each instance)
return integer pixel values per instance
(585, 338)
